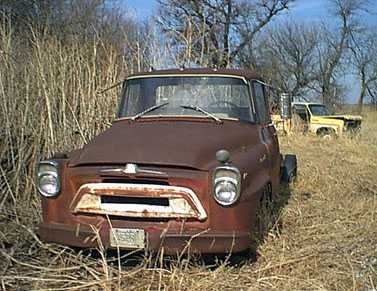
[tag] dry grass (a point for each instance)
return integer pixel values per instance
(325, 238)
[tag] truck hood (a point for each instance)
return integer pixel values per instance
(147, 141)
(343, 117)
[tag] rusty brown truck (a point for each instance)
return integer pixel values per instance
(188, 160)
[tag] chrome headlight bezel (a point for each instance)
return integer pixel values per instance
(226, 174)
(52, 170)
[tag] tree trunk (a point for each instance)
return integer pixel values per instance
(360, 100)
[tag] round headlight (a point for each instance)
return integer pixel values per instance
(226, 185)
(225, 192)
(48, 184)
(48, 179)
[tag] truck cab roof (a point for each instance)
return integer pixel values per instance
(243, 73)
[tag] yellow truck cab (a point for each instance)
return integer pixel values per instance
(318, 119)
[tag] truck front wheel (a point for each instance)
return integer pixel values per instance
(326, 133)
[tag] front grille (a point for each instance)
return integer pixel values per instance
(138, 200)
(353, 125)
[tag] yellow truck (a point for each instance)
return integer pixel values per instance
(316, 118)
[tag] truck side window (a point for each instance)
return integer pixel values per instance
(261, 104)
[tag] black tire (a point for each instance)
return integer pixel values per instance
(289, 169)
(292, 177)
(264, 214)
(326, 133)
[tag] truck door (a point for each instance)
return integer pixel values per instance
(268, 132)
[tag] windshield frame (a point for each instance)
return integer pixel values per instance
(318, 105)
(123, 99)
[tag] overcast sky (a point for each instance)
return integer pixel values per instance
(301, 10)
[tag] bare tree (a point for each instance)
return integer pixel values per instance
(372, 92)
(335, 44)
(364, 51)
(289, 55)
(214, 32)
(65, 18)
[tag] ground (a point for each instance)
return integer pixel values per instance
(325, 236)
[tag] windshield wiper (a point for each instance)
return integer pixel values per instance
(150, 109)
(197, 108)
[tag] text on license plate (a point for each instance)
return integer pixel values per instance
(127, 238)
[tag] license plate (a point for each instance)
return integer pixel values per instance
(127, 238)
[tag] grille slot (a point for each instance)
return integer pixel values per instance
(135, 181)
(155, 201)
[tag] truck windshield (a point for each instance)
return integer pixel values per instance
(223, 97)
(319, 110)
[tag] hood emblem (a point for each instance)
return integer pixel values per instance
(132, 169)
